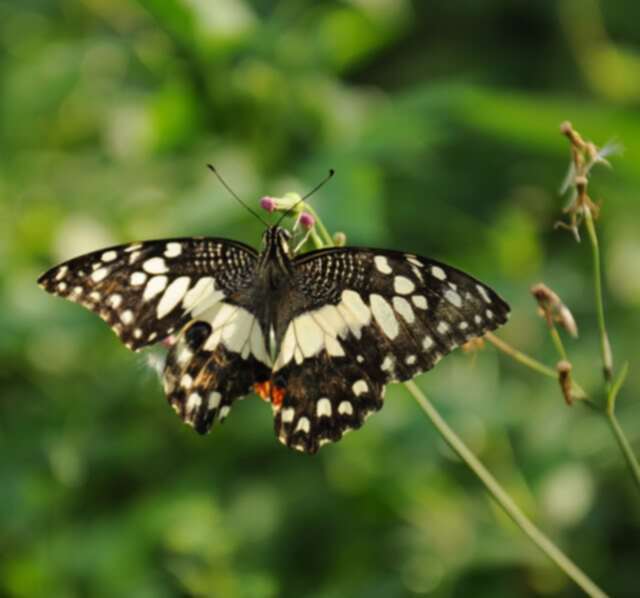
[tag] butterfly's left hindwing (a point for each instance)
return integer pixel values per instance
(205, 374)
(146, 291)
(370, 317)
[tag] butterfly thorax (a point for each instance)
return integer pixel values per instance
(272, 292)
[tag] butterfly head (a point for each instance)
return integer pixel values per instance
(276, 240)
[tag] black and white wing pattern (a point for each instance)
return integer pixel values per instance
(185, 288)
(147, 291)
(370, 317)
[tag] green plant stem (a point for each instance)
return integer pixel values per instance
(535, 365)
(624, 445)
(605, 346)
(557, 341)
(328, 239)
(490, 483)
(617, 430)
(501, 496)
(521, 357)
(607, 357)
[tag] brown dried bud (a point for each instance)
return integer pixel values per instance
(564, 378)
(565, 319)
(547, 301)
(566, 128)
(553, 310)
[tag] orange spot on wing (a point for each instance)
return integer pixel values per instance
(277, 395)
(269, 392)
(263, 390)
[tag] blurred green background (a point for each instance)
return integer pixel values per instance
(441, 120)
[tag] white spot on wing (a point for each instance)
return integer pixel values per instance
(61, 273)
(126, 317)
(345, 408)
(287, 349)
(155, 285)
(403, 307)
(173, 249)
(172, 296)
(287, 415)
(99, 274)
(155, 265)
(304, 425)
(427, 343)
(309, 335)
(443, 327)
(483, 293)
(402, 285)
(114, 300)
(193, 402)
(333, 346)
(419, 301)
(137, 279)
(331, 321)
(453, 298)
(184, 354)
(109, 256)
(233, 324)
(359, 387)
(388, 363)
(384, 315)
(203, 287)
(438, 273)
(257, 344)
(214, 400)
(359, 308)
(323, 408)
(382, 264)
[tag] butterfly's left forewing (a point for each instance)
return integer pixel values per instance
(370, 317)
(146, 291)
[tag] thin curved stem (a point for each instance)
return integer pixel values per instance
(624, 445)
(502, 498)
(523, 358)
(605, 346)
(557, 342)
(534, 364)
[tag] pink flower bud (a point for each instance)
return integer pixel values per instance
(307, 220)
(268, 203)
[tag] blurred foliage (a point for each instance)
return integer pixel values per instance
(441, 120)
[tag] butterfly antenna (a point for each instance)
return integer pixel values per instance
(308, 195)
(233, 194)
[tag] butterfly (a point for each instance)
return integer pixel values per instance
(319, 335)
